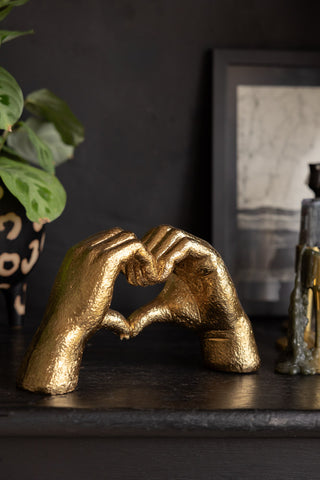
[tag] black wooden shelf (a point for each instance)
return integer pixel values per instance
(154, 389)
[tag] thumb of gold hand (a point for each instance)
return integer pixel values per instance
(153, 312)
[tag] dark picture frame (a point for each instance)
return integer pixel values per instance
(230, 69)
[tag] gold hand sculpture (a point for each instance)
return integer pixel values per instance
(78, 307)
(198, 294)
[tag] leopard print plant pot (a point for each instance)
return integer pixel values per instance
(21, 242)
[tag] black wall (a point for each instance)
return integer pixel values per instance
(138, 74)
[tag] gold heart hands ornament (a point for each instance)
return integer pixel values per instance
(198, 293)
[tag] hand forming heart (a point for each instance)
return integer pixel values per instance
(198, 293)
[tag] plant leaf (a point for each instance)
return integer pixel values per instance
(12, 3)
(43, 152)
(7, 35)
(12, 154)
(11, 100)
(4, 12)
(47, 132)
(7, 5)
(42, 195)
(47, 105)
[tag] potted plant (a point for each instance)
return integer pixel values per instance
(30, 193)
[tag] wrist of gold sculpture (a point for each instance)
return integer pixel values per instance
(232, 350)
(53, 360)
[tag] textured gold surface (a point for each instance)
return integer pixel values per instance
(198, 294)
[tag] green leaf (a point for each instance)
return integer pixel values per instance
(4, 12)
(12, 3)
(7, 35)
(11, 100)
(47, 105)
(42, 195)
(47, 132)
(7, 5)
(43, 152)
(9, 153)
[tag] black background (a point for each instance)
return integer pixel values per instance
(138, 75)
